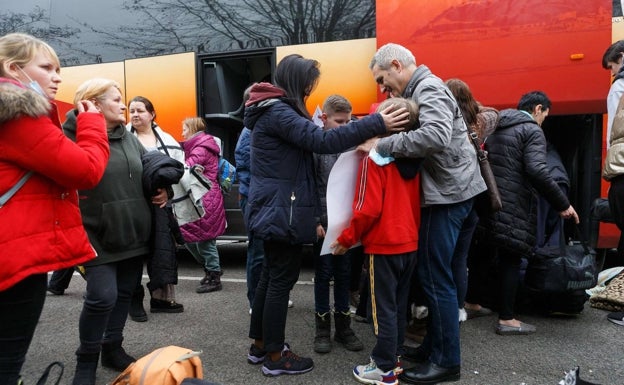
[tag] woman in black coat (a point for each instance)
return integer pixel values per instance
(517, 153)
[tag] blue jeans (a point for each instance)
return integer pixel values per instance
(460, 256)
(206, 253)
(255, 255)
(324, 267)
(439, 229)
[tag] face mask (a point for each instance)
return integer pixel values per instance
(33, 85)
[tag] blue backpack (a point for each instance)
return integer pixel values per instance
(227, 175)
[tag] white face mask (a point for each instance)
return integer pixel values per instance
(33, 85)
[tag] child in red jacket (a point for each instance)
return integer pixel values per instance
(386, 216)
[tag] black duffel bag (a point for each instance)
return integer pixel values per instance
(562, 268)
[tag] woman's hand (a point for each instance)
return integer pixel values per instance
(160, 199)
(368, 145)
(86, 106)
(337, 248)
(395, 119)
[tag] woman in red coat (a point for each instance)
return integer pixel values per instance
(40, 225)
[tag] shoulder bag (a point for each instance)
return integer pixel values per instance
(492, 193)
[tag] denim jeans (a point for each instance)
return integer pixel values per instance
(460, 256)
(326, 266)
(280, 271)
(20, 308)
(206, 253)
(105, 309)
(439, 229)
(255, 255)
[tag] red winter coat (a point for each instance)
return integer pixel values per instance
(40, 226)
(386, 210)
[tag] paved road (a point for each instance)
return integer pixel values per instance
(217, 323)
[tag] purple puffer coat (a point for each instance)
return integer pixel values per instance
(202, 149)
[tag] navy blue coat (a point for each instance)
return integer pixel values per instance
(283, 202)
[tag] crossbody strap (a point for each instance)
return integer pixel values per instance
(7, 195)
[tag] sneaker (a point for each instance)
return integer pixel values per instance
(290, 303)
(616, 318)
(289, 363)
(257, 355)
(371, 374)
(398, 367)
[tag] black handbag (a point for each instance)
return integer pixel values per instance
(562, 268)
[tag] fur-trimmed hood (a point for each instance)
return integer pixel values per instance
(17, 100)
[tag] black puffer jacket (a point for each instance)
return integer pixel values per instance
(161, 171)
(517, 152)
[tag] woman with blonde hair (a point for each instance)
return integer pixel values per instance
(40, 169)
(117, 218)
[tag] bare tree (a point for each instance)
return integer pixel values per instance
(37, 23)
(169, 26)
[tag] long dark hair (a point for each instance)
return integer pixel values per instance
(466, 102)
(297, 76)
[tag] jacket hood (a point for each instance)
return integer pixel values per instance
(263, 91)
(17, 100)
(261, 97)
(512, 117)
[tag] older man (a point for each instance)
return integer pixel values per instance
(450, 179)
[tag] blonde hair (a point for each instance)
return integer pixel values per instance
(21, 49)
(408, 104)
(94, 89)
(195, 125)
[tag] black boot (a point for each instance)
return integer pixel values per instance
(212, 282)
(86, 367)
(344, 334)
(114, 356)
(322, 339)
(137, 312)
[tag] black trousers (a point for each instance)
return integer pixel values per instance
(20, 309)
(280, 272)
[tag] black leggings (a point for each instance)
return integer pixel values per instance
(20, 309)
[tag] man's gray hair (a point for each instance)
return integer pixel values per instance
(389, 52)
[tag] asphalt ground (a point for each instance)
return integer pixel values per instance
(217, 324)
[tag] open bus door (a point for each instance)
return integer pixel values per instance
(222, 79)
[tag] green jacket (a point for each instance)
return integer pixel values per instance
(116, 213)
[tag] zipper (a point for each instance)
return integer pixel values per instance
(292, 203)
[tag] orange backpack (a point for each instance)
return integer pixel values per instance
(165, 366)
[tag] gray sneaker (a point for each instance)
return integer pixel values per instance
(617, 318)
(289, 363)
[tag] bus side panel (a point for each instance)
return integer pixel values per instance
(344, 71)
(505, 48)
(169, 83)
(73, 77)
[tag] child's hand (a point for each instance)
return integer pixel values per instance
(337, 248)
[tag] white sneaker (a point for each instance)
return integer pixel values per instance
(290, 303)
(462, 315)
(249, 311)
(371, 374)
